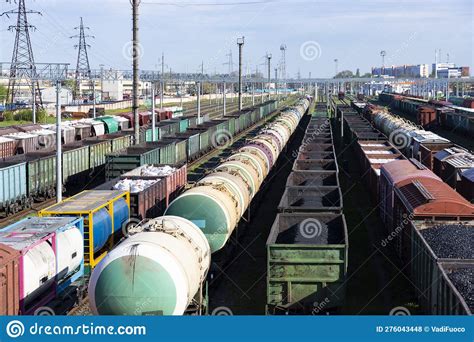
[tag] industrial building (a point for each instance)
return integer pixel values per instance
(419, 70)
(449, 70)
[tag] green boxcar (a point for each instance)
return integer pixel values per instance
(173, 126)
(254, 117)
(275, 105)
(41, 173)
(118, 142)
(181, 151)
(167, 150)
(302, 269)
(238, 129)
(13, 187)
(76, 161)
(204, 141)
(192, 121)
(248, 119)
(204, 138)
(192, 144)
(131, 133)
(98, 149)
(130, 158)
(149, 134)
(260, 115)
(183, 125)
(242, 121)
(164, 129)
(222, 126)
(180, 147)
(231, 121)
(212, 128)
(111, 125)
(194, 149)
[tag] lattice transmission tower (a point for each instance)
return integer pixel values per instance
(230, 62)
(83, 69)
(22, 69)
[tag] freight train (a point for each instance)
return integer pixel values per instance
(452, 163)
(307, 248)
(48, 259)
(430, 113)
(31, 177)
(426, 222)
(161, 269)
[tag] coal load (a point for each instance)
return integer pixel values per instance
(451, 241)
(463, 279)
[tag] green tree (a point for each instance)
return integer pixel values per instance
(3, 94)
(367, 75)
(69, 84)
(344, 74)
(208, 88)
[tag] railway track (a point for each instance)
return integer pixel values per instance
(24, 213)
(82, 308)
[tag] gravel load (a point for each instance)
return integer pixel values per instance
(157, 171)
(463, 279)
(309, 232)
(451, 241)
(135, 185)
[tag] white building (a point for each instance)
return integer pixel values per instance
(48, 95)
(445, 70)
(418, 70)
(118, 90)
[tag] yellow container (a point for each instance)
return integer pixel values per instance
(106, 213)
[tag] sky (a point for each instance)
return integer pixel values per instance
(190, 32)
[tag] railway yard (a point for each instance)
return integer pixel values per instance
(327, 205)
(305, 168)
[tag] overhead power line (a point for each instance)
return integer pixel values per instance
(191, 4)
